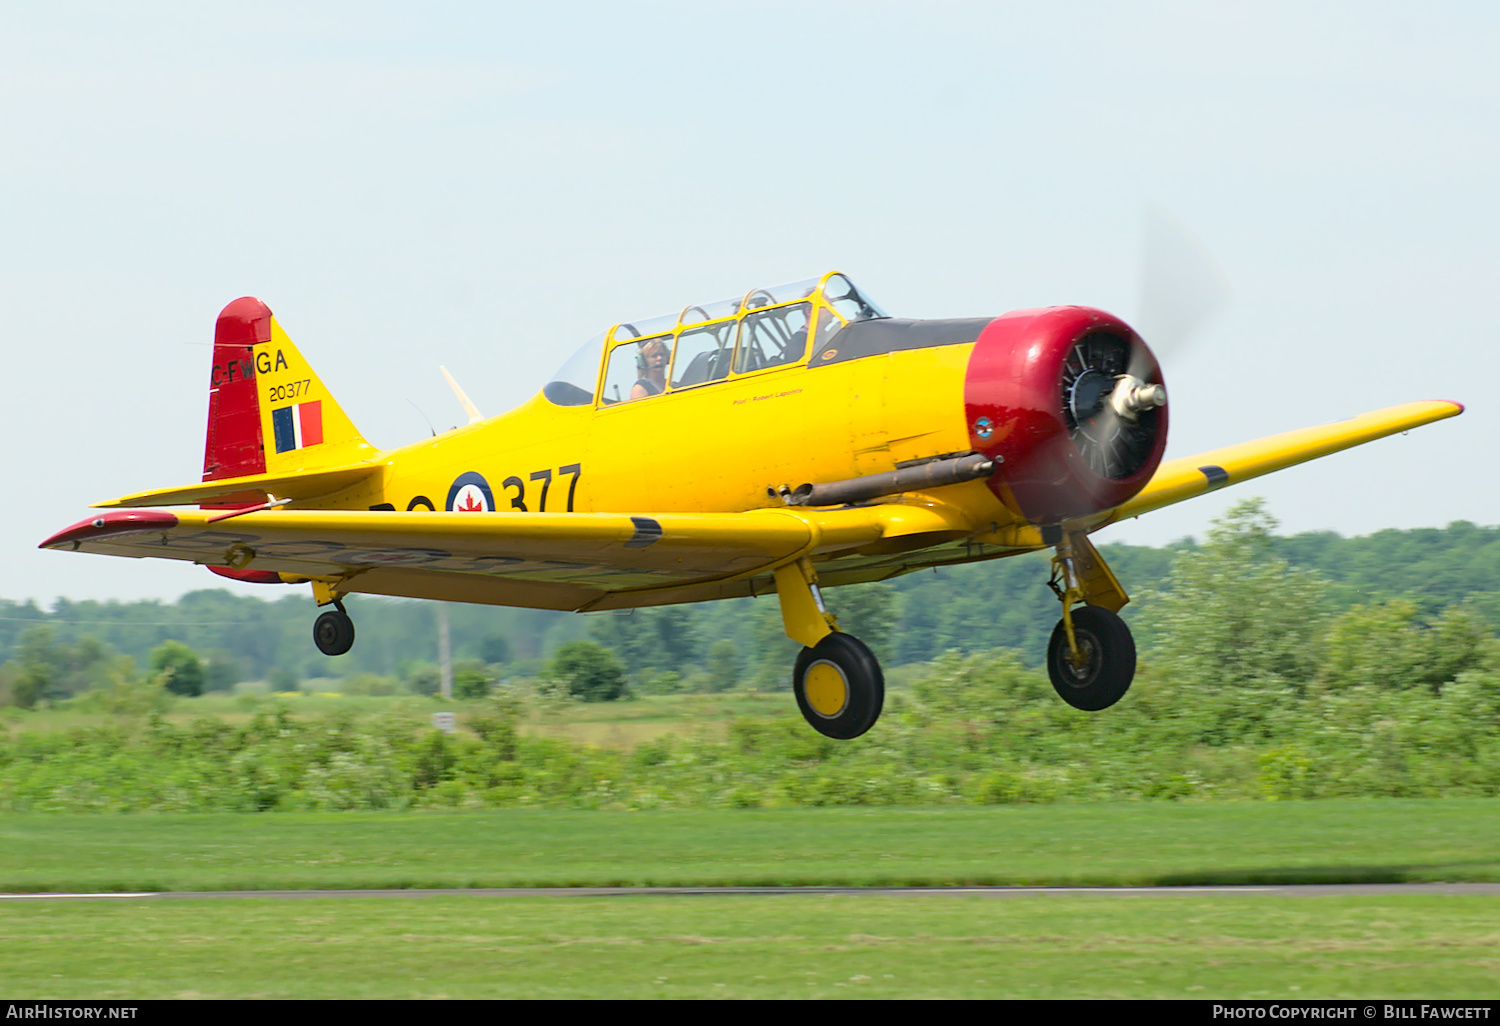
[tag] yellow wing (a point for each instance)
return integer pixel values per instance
(1190, 476)
(542, 560)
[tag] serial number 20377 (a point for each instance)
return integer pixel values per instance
(290, 390)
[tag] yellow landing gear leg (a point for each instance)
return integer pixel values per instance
(333, 631)
(837, 680)
(803, 613)
(1091, 657)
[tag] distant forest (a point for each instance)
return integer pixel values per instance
(912, 619)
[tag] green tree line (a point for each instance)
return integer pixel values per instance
(911, 619)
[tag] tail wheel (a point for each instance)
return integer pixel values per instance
(1108, 659)
(839, 686)
(333, 632)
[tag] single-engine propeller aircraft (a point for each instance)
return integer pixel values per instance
(814, 441)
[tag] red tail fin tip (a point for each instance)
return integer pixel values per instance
(234, 447)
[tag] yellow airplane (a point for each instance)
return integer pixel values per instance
(790, 439)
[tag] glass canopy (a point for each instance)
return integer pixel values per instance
(706, 342)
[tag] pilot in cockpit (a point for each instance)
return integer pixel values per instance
(652, 368)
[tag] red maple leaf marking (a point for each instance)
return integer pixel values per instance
(471, 504)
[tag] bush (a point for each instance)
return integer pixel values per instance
(472, 679)
(723, 665)
(423, 678)
(369, 684)
(589, 671)
(180, 667)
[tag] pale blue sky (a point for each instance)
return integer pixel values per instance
(485, 185)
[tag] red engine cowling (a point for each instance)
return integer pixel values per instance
(1038, 397)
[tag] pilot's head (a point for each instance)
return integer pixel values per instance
(654, 353)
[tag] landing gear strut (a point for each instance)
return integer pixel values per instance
(333, 631)
(1091, 657)
(837, 680)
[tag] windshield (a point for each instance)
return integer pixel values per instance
(706, 342)
(848, 301)
(573, 384)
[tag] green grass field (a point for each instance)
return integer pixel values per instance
(1101, 845)
(938, 944)
(933, 945)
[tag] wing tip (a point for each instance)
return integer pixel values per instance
(109, 524)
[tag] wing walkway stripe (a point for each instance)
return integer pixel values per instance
(647, 531)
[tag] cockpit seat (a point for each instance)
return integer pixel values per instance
(709, 366)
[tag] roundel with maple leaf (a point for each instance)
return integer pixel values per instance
(470, 493)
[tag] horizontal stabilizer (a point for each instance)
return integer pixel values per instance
(310, 484)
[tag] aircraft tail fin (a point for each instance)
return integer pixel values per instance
(268, 411)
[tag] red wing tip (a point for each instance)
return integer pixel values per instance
(1452, 402)
(107, 524)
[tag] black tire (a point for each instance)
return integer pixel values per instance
(333, 633)
(1106, 641)
(848, 689)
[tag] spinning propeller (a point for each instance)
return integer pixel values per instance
(1112, 386)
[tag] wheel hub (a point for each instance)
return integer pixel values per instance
(1086, 668)
(826, 688)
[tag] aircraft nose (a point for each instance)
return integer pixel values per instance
(1070, 402)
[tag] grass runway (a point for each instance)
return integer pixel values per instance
(942, 945)
(1248, 945)
(1131, 844)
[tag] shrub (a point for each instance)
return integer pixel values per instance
(589, 671)
(472, 679)
(180, 667)
(723, 665)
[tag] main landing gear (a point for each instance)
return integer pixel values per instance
(1091, 657)
(839, 686)
(837, 680)
(333, 631)
(1095, 671)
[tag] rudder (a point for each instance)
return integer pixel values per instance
(268, 411)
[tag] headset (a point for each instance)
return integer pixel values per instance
(640, 352)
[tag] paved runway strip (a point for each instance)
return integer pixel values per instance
(1288, 891)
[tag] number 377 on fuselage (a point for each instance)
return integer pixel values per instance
(777, 443)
